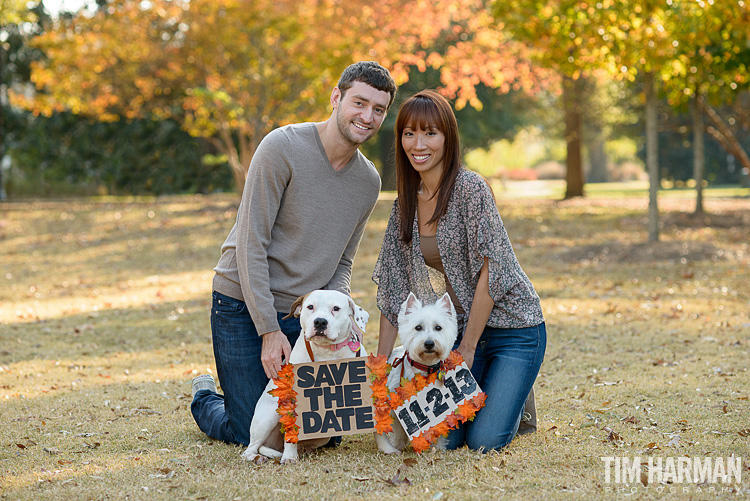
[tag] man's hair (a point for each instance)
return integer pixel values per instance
(372, 74)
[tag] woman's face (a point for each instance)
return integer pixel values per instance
(424, 147)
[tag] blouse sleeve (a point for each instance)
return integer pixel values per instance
(487, 238)
(391, 273)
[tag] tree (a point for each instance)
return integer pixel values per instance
(18, 24)
(642, 46)
(711, 63)
(564, 36)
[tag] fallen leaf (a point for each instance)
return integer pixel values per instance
(744, 432)
(652, 447)
(21, 446)
(410, 462)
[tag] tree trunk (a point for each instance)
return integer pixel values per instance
(238, 158)
(597, 156)
(573, 137)
(652, 157)
(699, 155)
(724, 134)
(386, 146)
(3, 100)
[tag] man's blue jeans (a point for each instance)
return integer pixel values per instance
(237, 350)
(506, 364)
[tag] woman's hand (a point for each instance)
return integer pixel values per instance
(468, 353)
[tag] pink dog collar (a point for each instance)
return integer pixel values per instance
(355, 340)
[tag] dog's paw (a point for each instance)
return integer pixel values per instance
(289, 460)
(250, 456)
(385, 446)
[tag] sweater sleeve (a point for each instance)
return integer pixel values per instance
(267, 179)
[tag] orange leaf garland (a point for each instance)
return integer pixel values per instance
(378, 365)
(420, 443)
(454, 360)
(287, 404)
(379, 369)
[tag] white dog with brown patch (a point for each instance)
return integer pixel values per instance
(332, 326)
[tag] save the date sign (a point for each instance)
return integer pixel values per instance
(333, 398)
(435, 402)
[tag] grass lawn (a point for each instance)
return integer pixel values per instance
(104, 309)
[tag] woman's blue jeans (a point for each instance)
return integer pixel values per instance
(506, 364)
(237, 350)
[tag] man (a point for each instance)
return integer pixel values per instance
(307, 198)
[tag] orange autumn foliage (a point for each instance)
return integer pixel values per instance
(420, 443)
(379, 369)
(287, 404)
(454, 360)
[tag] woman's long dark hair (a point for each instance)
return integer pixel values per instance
(424, 109)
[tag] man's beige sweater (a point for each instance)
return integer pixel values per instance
(298, 226)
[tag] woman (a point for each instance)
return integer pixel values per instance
(445, 234)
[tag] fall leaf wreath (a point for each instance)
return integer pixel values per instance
(384, 401)
(287, 403)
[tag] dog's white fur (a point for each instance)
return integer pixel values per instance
(428, 333)
(324, 318)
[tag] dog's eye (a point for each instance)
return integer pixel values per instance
(310, 307)
(438, 328)
(418, 328)
(336, 308)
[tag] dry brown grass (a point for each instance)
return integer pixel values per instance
(104, 321)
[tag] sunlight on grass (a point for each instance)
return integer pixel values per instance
(104, 319)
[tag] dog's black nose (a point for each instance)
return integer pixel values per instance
(320, 323)
(429, 344)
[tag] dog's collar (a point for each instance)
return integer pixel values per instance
(429, 369)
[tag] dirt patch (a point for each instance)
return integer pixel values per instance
(673, 252)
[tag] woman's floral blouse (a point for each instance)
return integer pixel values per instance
(470, 231)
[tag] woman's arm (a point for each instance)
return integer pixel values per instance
(386, 336)
(481, 308)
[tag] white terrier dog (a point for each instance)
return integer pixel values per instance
(428, 333)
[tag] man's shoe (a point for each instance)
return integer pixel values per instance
(204, 382)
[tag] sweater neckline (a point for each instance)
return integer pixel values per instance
(325, 155)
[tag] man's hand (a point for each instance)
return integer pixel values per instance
(275, 344)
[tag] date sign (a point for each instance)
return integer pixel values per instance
(435, 402)
(333, 398)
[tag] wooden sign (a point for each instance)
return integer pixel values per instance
(435, 402)
(333, 398)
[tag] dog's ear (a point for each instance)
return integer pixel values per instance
(446, 305)
(296, 308)
(411, 304)
(352, 307)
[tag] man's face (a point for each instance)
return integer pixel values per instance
(360, 112)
